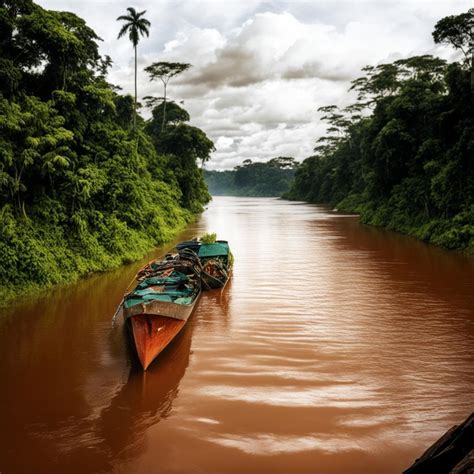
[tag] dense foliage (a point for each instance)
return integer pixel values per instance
(81, 190)
(402, 155)
(182, 146)
(272, 178)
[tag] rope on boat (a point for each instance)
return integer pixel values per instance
(117, 312)
(123, 300)
(189, 254)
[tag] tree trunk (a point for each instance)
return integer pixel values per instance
(24, 210)
(135, 102)
(164, 109)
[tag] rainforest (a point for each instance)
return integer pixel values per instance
(300, 321)
(86, 183)
(268, 179)
(401, 155)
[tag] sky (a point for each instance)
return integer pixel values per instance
(261, 69)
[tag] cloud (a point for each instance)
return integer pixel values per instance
(316, 69)
(224, 143)
(261, 69)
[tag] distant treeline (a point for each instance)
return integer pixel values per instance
(85, 185)
(402, 155)
(268, 179)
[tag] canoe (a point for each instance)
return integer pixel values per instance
(160, 305)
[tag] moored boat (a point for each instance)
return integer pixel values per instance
(168, 290)
(162, 302)
(216, 260)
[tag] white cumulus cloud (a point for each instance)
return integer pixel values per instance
(261, 69)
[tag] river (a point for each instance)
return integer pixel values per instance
(336, 348)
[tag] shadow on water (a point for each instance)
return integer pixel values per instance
(73, 394)
(144, 400)
(84, 438)
(404, 260)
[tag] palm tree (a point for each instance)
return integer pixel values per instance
(136, 26)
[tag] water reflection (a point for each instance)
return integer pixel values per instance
(70, 430)
(145, 399)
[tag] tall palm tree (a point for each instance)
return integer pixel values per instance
(136, 26)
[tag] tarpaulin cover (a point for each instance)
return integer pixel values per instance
(219, 249)
(174, 291)
(157, 297)
(174, 279)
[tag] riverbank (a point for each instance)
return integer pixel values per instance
(456, 233)
(86, 183)
(38, 255)
(400, 155)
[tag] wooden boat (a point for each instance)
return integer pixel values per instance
(216, 260)
(167, 293)
(162, 302)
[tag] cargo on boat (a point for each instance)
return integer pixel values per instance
(216, 260)
(168, 290)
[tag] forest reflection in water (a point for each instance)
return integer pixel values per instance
(336, 348)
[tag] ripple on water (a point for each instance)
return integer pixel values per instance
(335, 345)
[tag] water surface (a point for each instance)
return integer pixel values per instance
(336, 348)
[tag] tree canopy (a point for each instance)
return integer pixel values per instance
(79, 190)
(165, 71)
(271, 178)
(456, 30)
(183, 145)
(401, 156)
(136, 25)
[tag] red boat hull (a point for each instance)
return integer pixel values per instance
(152, 333)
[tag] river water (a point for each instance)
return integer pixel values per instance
(336, 348)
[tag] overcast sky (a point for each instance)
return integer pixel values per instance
(262, 68)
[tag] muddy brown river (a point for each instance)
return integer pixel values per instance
(336, 348)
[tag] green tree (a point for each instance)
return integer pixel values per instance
(78, 193)
(456, 30)
(164, 71)
(175, 115)
(136, 26)
(254, 178)
(181, 146)
(401, 156)
(283, 162)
